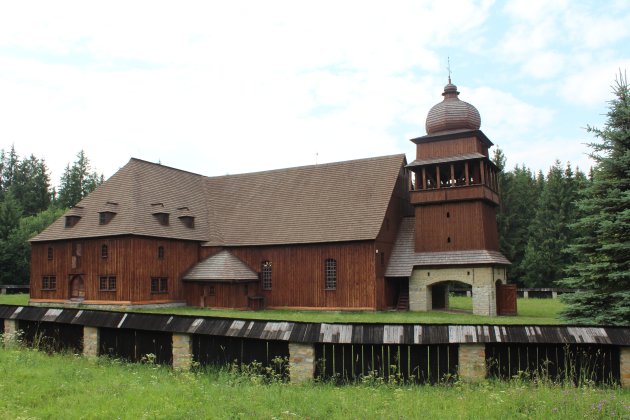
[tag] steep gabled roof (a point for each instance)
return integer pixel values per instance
(222, 267)
(343, 201)
(135, 193)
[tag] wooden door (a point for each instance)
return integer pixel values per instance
(77, 288)
(506, 299)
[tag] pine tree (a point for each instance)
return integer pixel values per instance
(602, 246)
(77, 181)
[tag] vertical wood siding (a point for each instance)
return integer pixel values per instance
(450, 147)
(469, 225)
(133, 260)
(298, 273)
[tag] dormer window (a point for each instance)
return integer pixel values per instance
(162, 218)
(188, 221)
(104, 217)
(72, 220)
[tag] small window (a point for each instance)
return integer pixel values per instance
(160, 252)
(159, 285)
(265, 275)
(162, 218)
(49, 283)
(50, 253)
(107, 283)
(330, 272)
(211, 291)
(104, 251)
(188, 221)
(382, 259)
(105, 217)
(72, 220)
(246, 290)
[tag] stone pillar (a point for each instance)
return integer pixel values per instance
(484, 300)
(525, 294)
(468, 293)
(10, 330)
(420, 298)
(91, 341)
(624, 368)
(554, 294)
(472, 362)
(301, 362)
(182, 351)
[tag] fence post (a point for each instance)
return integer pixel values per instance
(182, 351)
(10, 329)
(472, 362)
(301, 362)
(91, 341)
(624, 368)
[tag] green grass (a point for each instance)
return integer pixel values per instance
(530, 311)
(17, 299)
(35, 385)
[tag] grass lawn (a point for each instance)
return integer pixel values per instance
(530, 311)
(36, 385)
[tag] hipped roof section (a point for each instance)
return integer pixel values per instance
(335, 202)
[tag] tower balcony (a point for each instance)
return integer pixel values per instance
(454, 193)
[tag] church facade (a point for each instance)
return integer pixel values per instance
(367, 234)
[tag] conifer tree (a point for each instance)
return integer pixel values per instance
(602, 246)
(77, 181)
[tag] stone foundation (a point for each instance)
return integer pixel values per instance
(182, 351)
(624, 366)
(301, 362)
(472, 362)
(91, 341)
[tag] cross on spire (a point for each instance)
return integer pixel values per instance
(448, 67)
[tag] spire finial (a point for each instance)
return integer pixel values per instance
(448, 67)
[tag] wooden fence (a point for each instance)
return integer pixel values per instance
(340, 352)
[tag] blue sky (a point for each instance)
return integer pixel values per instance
(229, 87)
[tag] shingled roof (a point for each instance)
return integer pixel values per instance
(404, 258)
(343, 201)
(222, 267)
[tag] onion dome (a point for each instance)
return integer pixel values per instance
(452, 114)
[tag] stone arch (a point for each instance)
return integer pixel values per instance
(480, 278)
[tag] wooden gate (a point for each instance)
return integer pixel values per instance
(506, 299)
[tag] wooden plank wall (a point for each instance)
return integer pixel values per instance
(450, 147)
(226, 295)
(133, 260)
(470, 225)
(298, 273)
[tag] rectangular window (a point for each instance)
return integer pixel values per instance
(159, 285)
(211, 292)
(50, 253)
(107, 283)
(330, 272)
(104, 251)
(49, 283)
(265, 275)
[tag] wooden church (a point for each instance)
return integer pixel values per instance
(365, 234)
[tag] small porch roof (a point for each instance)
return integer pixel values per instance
(221, 267)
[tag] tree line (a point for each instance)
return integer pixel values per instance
(29, 204)
(535, 217)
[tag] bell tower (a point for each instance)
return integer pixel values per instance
(454, 192)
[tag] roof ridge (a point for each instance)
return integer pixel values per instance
(317, 165)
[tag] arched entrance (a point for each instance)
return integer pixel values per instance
(77, 288)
